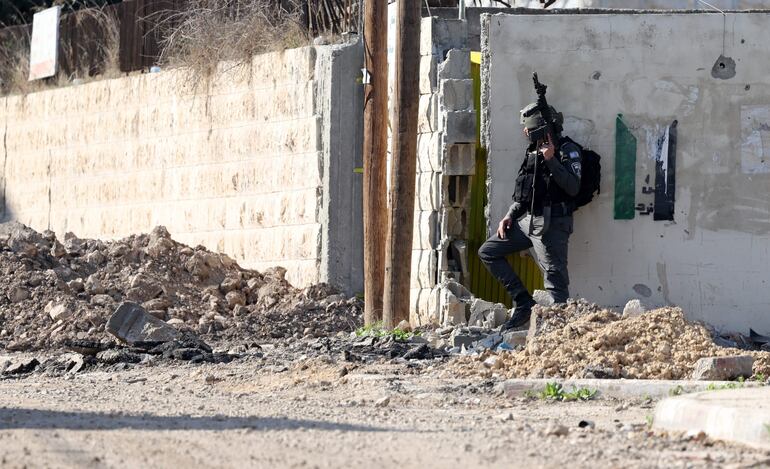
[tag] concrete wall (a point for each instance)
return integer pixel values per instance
(636, 4)
(713, 259)
(259, 164)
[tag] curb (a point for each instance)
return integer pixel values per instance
(736, 415)
(622, 388)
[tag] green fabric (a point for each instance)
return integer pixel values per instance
(625, 171)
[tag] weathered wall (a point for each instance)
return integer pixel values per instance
(713, 258)
(636, 4)
(251, 165)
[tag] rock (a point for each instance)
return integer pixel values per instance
(95, 258)
(229, 284)
(160, 242)
(404, 326)
(492, 362)
(634, 308)
(17, 294)
(58, 311)
(489, 342)
(94, 286)
(723, 368)
(131, 323)
(76, 285)
(57, 250)
(505, 417)
(543, 298)
(586, 424)
(382, 402)
(464, 336)
(22, 366)
(556, 430)
(102, 300)
(175, 322)
(599, 372)
(143, 288)
(157, 304)
(487, 314)
(515, 338)
(118, 356)
(235, 298)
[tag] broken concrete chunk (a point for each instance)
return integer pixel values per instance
(22, 366)
(543, 298)
(131, 323)
(17, 294)
(487, 314)
(723, 368)
(58, 311)
(634, 308)
(515, 338)
(235, 298)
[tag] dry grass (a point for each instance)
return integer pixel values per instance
(212, 31)
(96, 53)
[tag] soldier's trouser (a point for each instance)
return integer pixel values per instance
(550, 250)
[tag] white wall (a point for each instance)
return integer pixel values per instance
(714, 258)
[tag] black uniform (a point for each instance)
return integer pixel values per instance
(555, 183)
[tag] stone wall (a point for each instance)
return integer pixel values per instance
(247, 164)
(608, 72)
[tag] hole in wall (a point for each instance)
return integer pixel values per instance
(724, 68)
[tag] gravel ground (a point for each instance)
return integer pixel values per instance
(320, 412)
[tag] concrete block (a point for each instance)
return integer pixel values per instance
(454, 223)
(427, 120)
(515, 339)
(459, 127)
(456, 66)
(424, 263)
(543, 298)
(429, 152)
(427, 191)
(439, 35)
(487, 314)
(723, 368)
(460, 159)
(456, 95)
(447, 275)
(428, 73)
(425, 230)
(131, 323)
(423, 307)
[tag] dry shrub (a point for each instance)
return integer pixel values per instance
(95, 52)
(208, 32)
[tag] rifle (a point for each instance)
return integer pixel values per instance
(544, 132)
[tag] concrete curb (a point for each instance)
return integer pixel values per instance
(620, 388)
(737, 415)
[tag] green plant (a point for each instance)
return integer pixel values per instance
(377, 330)
(759, 377)
(555, 392)
(714, 387)
(676, 391)
(649, 418)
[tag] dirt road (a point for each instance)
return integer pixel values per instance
(314, 413)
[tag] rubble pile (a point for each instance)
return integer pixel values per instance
(55, 292)
(581, 340)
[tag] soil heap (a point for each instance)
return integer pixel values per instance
(580, 339)
(54, 292)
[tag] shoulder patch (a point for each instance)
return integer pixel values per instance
(574, 155)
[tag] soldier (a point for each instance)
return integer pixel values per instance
(546, 185)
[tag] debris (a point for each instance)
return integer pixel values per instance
(58, 311)
(633, 308)
(723, 368)
(543, 298)
(382, 402)
(131, 323)
(586, 424)
(487, 314)
(556, 430)
(404, 326)
(22, 366)
(505, 417)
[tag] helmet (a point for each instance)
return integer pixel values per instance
(532, 119)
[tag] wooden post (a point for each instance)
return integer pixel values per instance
(398, 249)
(375, 155)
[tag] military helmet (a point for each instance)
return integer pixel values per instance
(532, 119)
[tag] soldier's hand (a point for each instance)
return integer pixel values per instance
(548, 149)
(503, 226)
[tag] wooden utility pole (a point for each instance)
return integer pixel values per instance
(398, 249)
(375, 154)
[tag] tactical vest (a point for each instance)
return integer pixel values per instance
(546, 191)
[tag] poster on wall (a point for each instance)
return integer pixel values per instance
(44, 49)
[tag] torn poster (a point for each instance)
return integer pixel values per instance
(665, 174)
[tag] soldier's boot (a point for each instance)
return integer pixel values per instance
(521, 313)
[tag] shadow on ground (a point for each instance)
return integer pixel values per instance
(14, 419)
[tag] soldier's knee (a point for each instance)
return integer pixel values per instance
(484, 253)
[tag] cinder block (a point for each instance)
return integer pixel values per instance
(427, 191)
(456, 191)
(454, 223)
(439, 35)
(425, 230)
(424, 264)
(428, 71)
(460, 159)
(456, 66)
(429, 152)
(459, 126)
(456, 95)
(423, 309)
(428, 114)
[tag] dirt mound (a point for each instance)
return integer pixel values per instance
(580, 340)
(52, 292)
